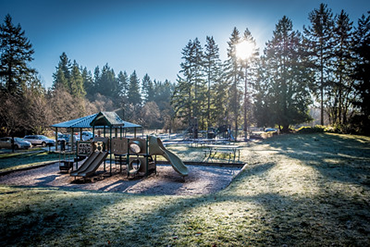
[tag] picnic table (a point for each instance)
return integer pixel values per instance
(232, 151)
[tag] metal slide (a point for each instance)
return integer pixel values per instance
(94, 165)
(156, 148)
(85, 164)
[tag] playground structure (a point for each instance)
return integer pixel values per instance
(134, 153)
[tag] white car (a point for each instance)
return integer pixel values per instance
(6, 142)
(39, 140)
(86, 136)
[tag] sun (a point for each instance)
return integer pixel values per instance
(244, 50)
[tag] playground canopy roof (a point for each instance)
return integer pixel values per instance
(101, 119)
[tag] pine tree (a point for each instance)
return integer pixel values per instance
(234, 76)
(212, 71)
(133, 94)
(362, 73)
(249, 77)
(287, 77)
(189, 95)
(88, 83)
(123, 83)
(76, 82)
(342, 91)
(262, 98)
(63, 74)
(106, 83)
(147, 89)
(319, 46)
(15, 52)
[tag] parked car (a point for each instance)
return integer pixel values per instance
(39, 140)
(270, 130)
(63, 137)
(86, 136)
(19, 143)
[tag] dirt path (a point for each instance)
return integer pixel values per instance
(201, 180)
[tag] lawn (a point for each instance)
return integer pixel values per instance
(26, 159)
(297, 190)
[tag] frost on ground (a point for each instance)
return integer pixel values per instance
(201, 180)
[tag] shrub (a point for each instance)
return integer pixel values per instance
(310, 130)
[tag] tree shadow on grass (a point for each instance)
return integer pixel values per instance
(97, 218)
(336, 157)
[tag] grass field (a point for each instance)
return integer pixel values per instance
(297, 190)
(26, 159)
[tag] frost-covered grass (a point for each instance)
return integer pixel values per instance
(16, 161)
(297, 190)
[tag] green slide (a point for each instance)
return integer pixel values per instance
(156, 148)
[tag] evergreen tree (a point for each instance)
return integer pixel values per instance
(342, 92)
(362, 73)
(76, 82)
(108, 84)
(96, 76)
(189, 95)
(319, 46)
(15, 52)
(262, 111)
(147, 89)
(234, 75)
(249, 76)
(88, 82)
(200, 88)
(162, 93)
(123, 82)
(220, 101)
(212, 71)
(287, 77)
(63, 74)
(133, 93)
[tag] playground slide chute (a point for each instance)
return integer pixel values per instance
(90, 165)
(85, 164)
(156, 148)
(94, 165)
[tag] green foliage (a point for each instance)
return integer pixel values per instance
(361, 121)
(190, 97)
(133, 95)
(319, 45)
(15, 52)
(310, 130)
(233, 74)
(285, 98)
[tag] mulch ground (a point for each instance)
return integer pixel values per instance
(201, 180)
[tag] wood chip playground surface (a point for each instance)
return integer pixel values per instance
(201, 180)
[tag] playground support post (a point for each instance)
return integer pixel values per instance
(56, 139)
(110, 146)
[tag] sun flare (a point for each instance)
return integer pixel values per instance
(244, 50)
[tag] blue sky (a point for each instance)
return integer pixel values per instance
(148, 35)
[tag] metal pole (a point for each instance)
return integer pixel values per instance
(56, 139)
(245, 102)
(110, 150)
